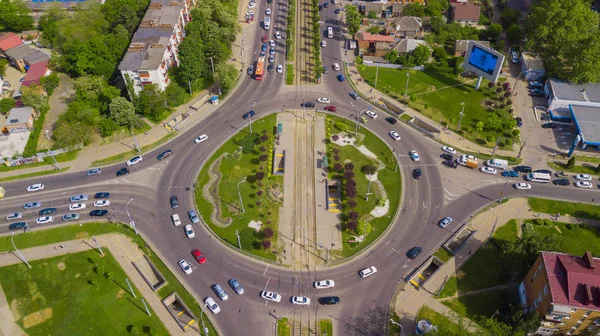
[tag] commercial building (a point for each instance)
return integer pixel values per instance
(20, 119)
(153, 48)
(564, 290)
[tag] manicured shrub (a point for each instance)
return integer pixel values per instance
(267, 233)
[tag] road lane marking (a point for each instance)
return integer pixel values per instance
(266, 269)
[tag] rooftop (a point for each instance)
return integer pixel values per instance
(18, 115)
(364, 36)
(408, 45)
(576, 92)
(574, 281)
(460, 46)
(587, 120)
(533, 62)
(9, 40)
(27, 53)
(35, 72)
(465, 11)
(409, 23)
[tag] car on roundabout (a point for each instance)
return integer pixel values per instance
(92, 172)
(583, 177)
(200, 258)
(394, 135)
(330, 108)
(201, 138)
(324, 100)
(449, 150)
(102, 203)
(102, 194)
(189, 231)
(450, 163)
(324, 284)
(445, 222)
(414, 252)
(212, 305)
(354, 95)
(134, 160)
(185, 267)
(193, 216)
(447, 156)
(584, 184)
(99, 213)
(367, 272)
(122, 171)
(341, 78)
(35, 187)
(235, 285)
(522, 186)
(270, 296)
(417, 173)
(220, 292)
(488, 170)
(249, 114)
(164, 155)
(300, 300)
(414, 155)
(510, 173)
(336, 67)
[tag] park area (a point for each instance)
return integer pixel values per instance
(438, 96)
(76, 294)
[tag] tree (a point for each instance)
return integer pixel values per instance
(571, 163)
(50, 82)
(392, 56)
(259, 175)
(226, 75)
(352, 19)
(49, 24)
(266, 244)
(3, 64)
(6, 104)
(435, 8)
(150, 102)
(122, 112)
(421, 54)
(374, 30)
(34, 98)
(67, 134)
(514, 34)
(369, 169)
(363, 228)
(414, 9)
(479, 126)
(439, 53)
(522, 252)
(372, 15)
(15, 16)
(493, 31)
(566, 34)
(267, 233)
(192, 60)
(510, 16)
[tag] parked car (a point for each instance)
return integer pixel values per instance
(329, 300)
(271, 43)
(522, 186)
(449, 150)
(102, 194)
(584, 184)
(394, 135)
(417, 173)
(562, 182)
(324, 284)
(95, 171)
(212, 305)
(535, 83)
(164, 155)
(300, 300)
(134, 160)
(549, 125)
(519, 121)
(185, 267)
(35, 187)
(122, 171)
(278, 35)
(488, 170)
(279, 69)
(201, 138)
(414, 252)
(583, 177)
(270, 296)
(337, 11)
(330, 108)
(445, 222)
(99, 213)
(523, 169)
(32, 205)
(510, 173)
(323, 44)
(70, 217)
(543, 171)
(367, 272)
(200, 258)
(235, 285)
(102, 203)
(193, 216)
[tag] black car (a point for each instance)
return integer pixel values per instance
(450, 164)
(391, 120)
(123, 171)
(326, 5)
(562, 182)
(447, 156)
(417, 173)
(519, 121)
(98, 213)
(174, 202)
(543, 171)
(48, 211)
(413, 252)
(337, 11)
(270, 68)
(523, 169)
(329, 300)
(17, 225)
(308, 104)
(549, 125)
(320, 7)
(164, 154)
(102, 194)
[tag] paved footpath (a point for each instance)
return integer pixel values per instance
(124, 251)
(410, 300)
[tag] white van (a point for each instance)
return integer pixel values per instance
(330, 32)
(497, 163)
(267, 23)
(176, 220)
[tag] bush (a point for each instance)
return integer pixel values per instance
(413, 97)
(336, 158)
(335, 150)
(571, 163)
(262, 148)
(263, 157)
(469, 129)
(338, 167)
(351, 225)
(499, 89)
(381, 202)
(341, 126)
(6, 104)
(353, 215)
(349, 166)
(489, 138)
(508, 142)
(491, 84)
(259, 175)
(547, 222)
(349, 175)
(335, 137)
(266, 244)
(538, 221)
(369, 169)
(247, 143)
(267, 233)
(570, 226)
(352, 204)
(107, 127)
(263, 138)
(258, 193)
(516, 132)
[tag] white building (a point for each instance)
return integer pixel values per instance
(153, 48)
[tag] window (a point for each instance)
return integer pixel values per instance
(546, 290)
(541, 266)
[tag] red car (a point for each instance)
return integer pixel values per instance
(330, 108)
(198, 256)
(264, 39)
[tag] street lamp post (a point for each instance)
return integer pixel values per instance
(240, 194)
(398, 324)
(357, 115)
(12, 239)
(461, 114)
(249, 116)
(131, 222)
(203, 325)
(406, 89)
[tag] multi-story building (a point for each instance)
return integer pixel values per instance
(153, 48)
(564, 290)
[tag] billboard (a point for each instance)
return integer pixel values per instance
(483, 61)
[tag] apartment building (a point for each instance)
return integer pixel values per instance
(153, 48)
(564, 290)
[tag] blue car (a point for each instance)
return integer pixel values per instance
(354, 95)
(510, 173)
(193, 217)
(264, 47)
(341, 78)
(249, 114)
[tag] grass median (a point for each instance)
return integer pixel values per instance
(36, 174)
(127, 155)
(578, 210)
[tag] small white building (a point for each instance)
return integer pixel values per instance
(532, 66)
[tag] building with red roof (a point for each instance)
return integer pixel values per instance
(564, 290)
(35, 72)
(466, 13)
(9, 40)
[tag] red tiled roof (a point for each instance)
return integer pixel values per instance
(35, 72)
(465, 11)
(9, 40)
(572, 281)
(364, 36)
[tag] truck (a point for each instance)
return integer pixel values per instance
(497, 163)
(260, 69)
(471, 163)
(267, 23)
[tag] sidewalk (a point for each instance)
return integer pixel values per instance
(124, 251)
(450, 138)
(410, 300)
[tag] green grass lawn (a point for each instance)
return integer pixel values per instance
(390, 178)
(86, 230)
(443, 323)
(585, 168)
(23, 176)
(450, 288)
(579, 210)
(573, 238)
(127, 155)
(258, 206)
(76, 294)
(289, 74)
(325, 327)
(283, 327)
(393, 81)
(484, 303)
(443, 254)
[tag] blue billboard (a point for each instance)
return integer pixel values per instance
(483, 61)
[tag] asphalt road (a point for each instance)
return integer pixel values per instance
(363, 301)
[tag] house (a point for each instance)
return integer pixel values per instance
(408, 26)
(460, 46)
(408, 45)
(35, 73)
(20, 119)
(398, 5)
(564, 290)
(376, 7)
(23, 56)
(153, 48)
(532, 66)
(8, 41)
(465, 13)
(374, 45)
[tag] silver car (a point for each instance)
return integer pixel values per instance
(14, 215)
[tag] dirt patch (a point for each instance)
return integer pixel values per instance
(120, 293)
(81, 235)
(61, 266)
(37, 318)
(77, 275)
(14, 309)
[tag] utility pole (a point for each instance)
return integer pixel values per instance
(368, 188)
(238, 239)
(97, 245)
(461, 114)
(496, 146)
(502, 194)
(212, 65)
(240, 194)
(203, 326)
(376, 75)
(135, 143)
(55, 162)
(406, 89)
(12, 239)
(249, 116)
(130, 288)
(521, 149)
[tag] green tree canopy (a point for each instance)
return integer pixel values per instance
(151, 103)
(352, 19)
(122, 112)
(15, 16)
(6, 104)
(421, 54)
(414, 9)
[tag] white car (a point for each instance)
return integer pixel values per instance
(583, 177)
(300, 300)
(185, 266)
(189, 231)
(270, 296)
(279, 68)
(251, 5)
(336, 67)
(445, 222)
(44, 220)
(323, 100)
(14, 215)
(201, 138)
(278, 35)
(323, 44)
(367, 272)
(584, 184)
(101, 203)
(212, 305)
(77, 206)
(272, 44)
(414, 155)
(371, 114)
(268, 11)
(176, 220)
(488, 170)
(522, 186)
(395, 135)
(35, 187)
(324, 284)
(134, 160)
(449, 149)
(466, 157)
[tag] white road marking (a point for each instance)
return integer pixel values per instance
(265, 272)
